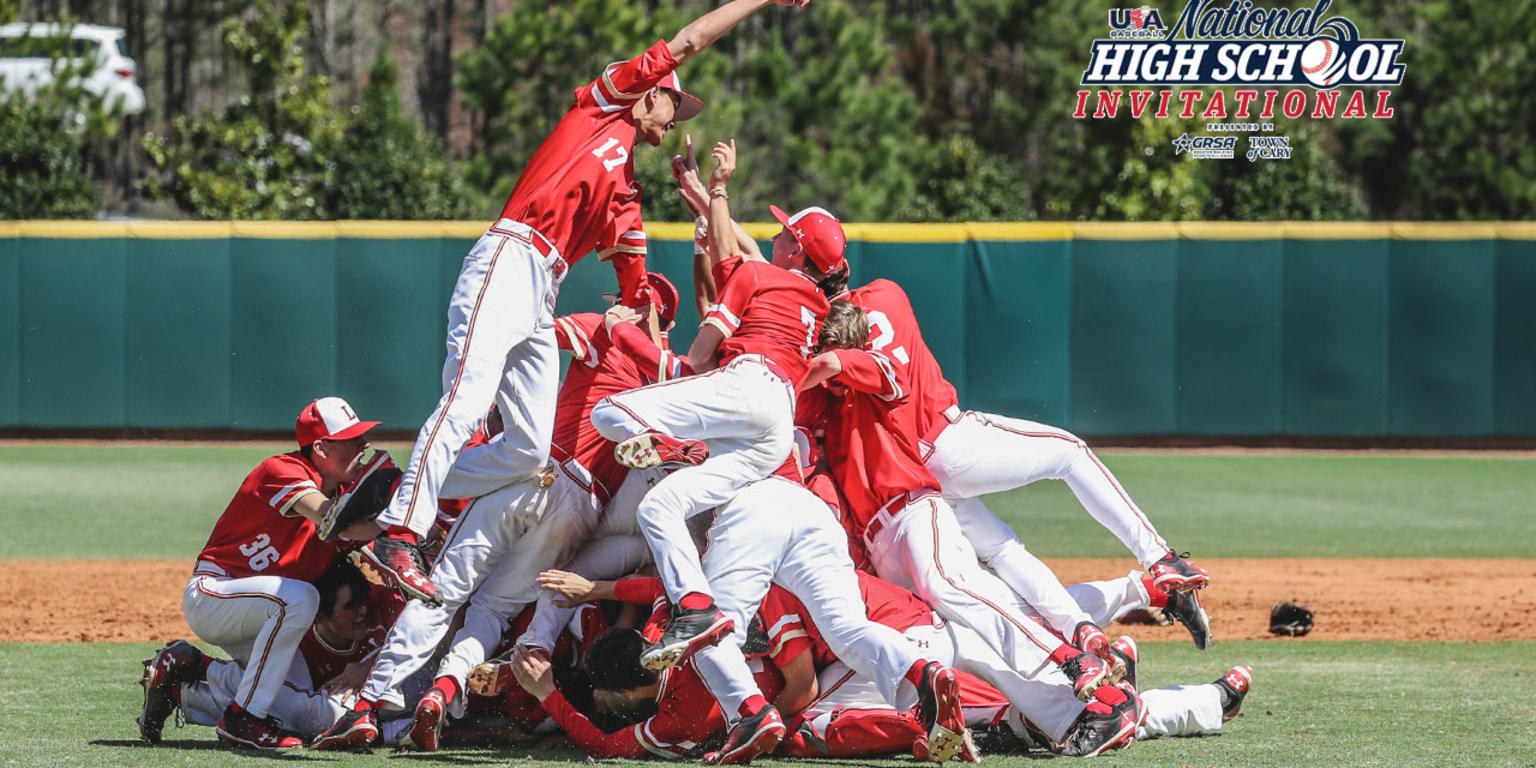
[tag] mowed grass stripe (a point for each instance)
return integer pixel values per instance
(1314, 704)
(93, 500)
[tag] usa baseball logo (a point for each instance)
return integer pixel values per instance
(1241, 44)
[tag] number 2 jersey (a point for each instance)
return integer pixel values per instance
(260, 534)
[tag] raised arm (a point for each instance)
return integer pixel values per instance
(702, 32)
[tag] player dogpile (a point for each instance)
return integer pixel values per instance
(775, 543)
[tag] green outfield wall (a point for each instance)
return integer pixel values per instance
(1205, 329)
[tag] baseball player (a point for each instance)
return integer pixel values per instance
(577, 194)
(734, 422)
(350, 622)
(911, 534)
(972, 454)
(250, 591)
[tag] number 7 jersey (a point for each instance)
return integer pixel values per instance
(769, 311)
(259, 534)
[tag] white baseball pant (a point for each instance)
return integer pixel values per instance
(979, 453)
(495, 551)
(258, 620)
(501, 349)
(916, 543)
(1103, 601)
(299, 708)
(776, 532)
(744, 412)
(1181, 710)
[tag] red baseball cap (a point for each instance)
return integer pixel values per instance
(689, 105)
(663, 292)
(329, 418)
(819, 233)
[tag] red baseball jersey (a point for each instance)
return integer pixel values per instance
(868, 428)
(893, 331)
(792, 632)
(687, 714)
(598, 369)
(768, 311)
(579, 188)
(259, 533)
(326, 661)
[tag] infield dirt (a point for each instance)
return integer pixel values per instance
(1447, 600)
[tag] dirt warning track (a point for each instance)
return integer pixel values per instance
(1463, 600)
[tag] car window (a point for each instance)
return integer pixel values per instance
(122, 48)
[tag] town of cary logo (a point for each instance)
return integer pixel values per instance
(1293, 62)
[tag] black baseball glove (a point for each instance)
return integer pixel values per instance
(1290, 619)
(364, 500)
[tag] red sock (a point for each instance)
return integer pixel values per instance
(1109, 694)
(915, 672)
(1064, 653)
(364, 705)
(696, 601)
(402, 533)
(235, 708)
(753, 705)
(448, 685)
(1157, 597)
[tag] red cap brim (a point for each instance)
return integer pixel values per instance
(778, 213)
(353, 431)
(688, 106)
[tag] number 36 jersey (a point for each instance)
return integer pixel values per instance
(261, 534)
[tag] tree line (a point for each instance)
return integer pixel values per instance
(882, 110)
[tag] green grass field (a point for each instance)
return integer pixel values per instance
(1315, 703)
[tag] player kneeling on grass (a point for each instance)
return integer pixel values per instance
(323, 676)
(250, 592)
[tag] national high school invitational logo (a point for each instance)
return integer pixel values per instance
(1291, 62)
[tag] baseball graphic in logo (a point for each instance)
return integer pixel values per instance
(1322, 62)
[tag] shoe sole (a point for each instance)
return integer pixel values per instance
(1127, 662)
(229, 738)
(657, 659)
(150, 680)
(424, 728)
(1086, 691)
(366, 555)
(948, 738)
(1173, 582)
(1200, 636)
(763, 741)
(348, 739)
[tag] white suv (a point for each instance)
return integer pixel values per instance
(106, 69)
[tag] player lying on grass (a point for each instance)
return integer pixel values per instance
(577, 194)
(332, 660)
(250, 592)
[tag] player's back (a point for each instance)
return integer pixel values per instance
(893, 330)
(769, 311)
(868, 438)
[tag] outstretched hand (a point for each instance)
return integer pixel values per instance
(533, 673)
(792, 3)
(725, 164)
